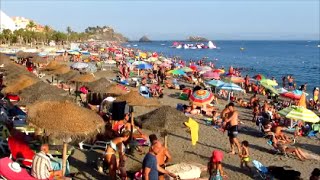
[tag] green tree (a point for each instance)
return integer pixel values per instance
(31, 26)
(7, 35)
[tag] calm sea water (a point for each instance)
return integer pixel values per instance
(270, 58)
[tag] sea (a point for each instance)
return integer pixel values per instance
(301, 59)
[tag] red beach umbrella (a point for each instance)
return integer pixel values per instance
(201, 97)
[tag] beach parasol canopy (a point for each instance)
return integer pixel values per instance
(110, 62)
(201, 97)
(299, 113)
(61, 69)
(116, 90)
(211, 75)
(187, 69)
(269, 87)
(52, 65)
(230, 87)
(91, 68)
(68, 76)
(84, 78)
(177, 72)
(215, 82)
(221, 71)
(22, 82)
(79, 65)
(234, 79)
(139, 62)
(295, 95)
(39, 60)
(269, 82)
(133, 98)
(259, 77)
(144, 66)
(99, 86)
(165, 118)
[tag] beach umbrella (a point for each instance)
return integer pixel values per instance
(71, 122)
(194, 67)
(187, 69)
(84, 78)
(269, 82)
(21, 82)
(295, 95)
(230, 87)
(144, 66)
(110, 62)
(116, 90)
(259, 77)
(282, 90)
(39, 60)
(139, 62)
(99, 86)
(269, 87)
(234, 79)
(91, 68)
(79, 65)
(221, 71)
(299, 113)
(177, 72)
(166, 65)
(211, 75)
(62, 69)
(201, 97)
(133, 98)
(215, 82)
(152, 59)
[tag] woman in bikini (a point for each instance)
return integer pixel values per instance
(115, 150)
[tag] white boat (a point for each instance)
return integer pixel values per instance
(193, 47)
(128, 45)
(179, 46)
(185, 46)
(199, 46)
(163, 44)
(319, 46)
(135, 45)
(211, 45)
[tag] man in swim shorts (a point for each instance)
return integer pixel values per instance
(232, 120)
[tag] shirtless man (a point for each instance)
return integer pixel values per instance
(232, 120)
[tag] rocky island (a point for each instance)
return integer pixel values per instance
(196, 39)
(105, 33)
(144, 39)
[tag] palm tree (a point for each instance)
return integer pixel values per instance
(47, 33)
(69, 31)
(31, 26)
(7, 34)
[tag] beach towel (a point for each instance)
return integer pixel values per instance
(194, 127)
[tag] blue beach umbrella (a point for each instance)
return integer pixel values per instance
(215, 82)
(230, 87)
(144, 66)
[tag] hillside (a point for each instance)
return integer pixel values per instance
(105, 33)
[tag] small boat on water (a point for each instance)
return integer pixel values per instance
(319, 46)
(179, 46)
(163, 44)
(128, 45)
(135, 45)
(211, 45)
(185, 46)
(242, 49)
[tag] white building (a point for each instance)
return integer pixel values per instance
(6, 22)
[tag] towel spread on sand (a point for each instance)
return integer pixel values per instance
(194, 127)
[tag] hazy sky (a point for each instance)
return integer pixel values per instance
(177, 19)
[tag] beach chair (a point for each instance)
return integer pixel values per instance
(262, 171)
(144, 91)
(20, 152)
(314, 130)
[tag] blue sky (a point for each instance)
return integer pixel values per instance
(177, 19)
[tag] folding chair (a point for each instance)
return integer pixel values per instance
(262, 171)
(144, 91)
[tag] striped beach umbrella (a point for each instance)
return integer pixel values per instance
(177, 72)
(215, 82)
(269, 87)
(201, 97)
(221, 71)
(230, 87)
(295, 95)
(269, 82)
(211, 75)
(299, 113)
(187, 69)
(234, 79)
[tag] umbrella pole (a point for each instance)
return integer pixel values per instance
(64, 158)
(166, 140)
(132, 125)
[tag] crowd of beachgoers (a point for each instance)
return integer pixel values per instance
(165, 113)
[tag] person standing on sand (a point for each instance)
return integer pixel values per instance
(150, 167)
(232, 122)
(163, 156)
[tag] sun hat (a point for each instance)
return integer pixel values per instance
(217, 156)
(14, 167)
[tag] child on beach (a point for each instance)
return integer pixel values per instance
(244, 155)
(215, 166)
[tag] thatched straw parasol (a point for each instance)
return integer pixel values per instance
(68, 76)
(39, 60)
(163, 119)
(22, 82)
(84, 78)
(99, 86)
(52, 65)
(4, 59)
(61, 69)
(41, 91)
(115, 90)
(133, 98)
(64, 120)
(21, 54)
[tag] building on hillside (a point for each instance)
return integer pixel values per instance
(22, 23)
(6, 22)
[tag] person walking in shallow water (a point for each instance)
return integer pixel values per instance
(232, 122)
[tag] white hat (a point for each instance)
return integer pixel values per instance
(15, 167)
(110, 99)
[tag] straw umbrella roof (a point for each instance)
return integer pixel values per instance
(21, 54)
(165, 118)
(61, 69)
(133, 98)
(64, 119)
(52, 65)
(68, 76)
(99, 86)
(115, 90)
(4, 59)
(22, 82)
(84, 78)
(39, 60)
(41, 91)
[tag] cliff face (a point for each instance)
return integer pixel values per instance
(144, 39)
(196, 38)
(105, 33)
